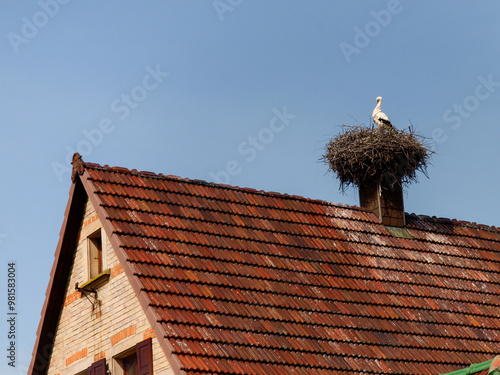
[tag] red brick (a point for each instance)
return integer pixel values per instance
(115, 271)
(123, 334)
(99, 356)
(75, 357)
(148, 333)
(72, 298)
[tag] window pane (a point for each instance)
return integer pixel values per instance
(95, 254)
(130, 365)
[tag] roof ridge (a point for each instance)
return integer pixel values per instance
(445, 220)
(149, 174)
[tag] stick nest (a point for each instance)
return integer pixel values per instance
(360, 155)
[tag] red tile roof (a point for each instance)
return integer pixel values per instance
(238, 281)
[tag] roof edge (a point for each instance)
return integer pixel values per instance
(60, 270)
(128, 269)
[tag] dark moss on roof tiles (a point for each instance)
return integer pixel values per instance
(249, 282)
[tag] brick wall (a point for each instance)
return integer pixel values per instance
(89, 330)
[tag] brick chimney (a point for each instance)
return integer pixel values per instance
(385, 201)
(379, 161)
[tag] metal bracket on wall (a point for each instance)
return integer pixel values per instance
(86, 293)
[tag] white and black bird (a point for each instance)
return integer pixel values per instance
(380, 117)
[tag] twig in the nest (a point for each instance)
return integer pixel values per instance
(361, 154)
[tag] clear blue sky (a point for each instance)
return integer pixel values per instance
(251, 87)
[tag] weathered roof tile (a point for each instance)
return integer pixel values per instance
(249, 282)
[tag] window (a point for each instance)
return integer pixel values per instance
(95, 254)
(130, 365)
(139, 362)
(94, 258)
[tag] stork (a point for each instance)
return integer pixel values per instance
(380, 117)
